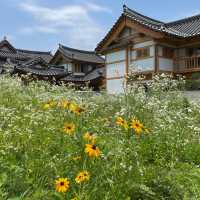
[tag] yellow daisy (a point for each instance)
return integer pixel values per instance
(69, 128)
(78, 110)
(62, 185)
(46, 106)
(49, 104)
(89, 137)
(121, 122)
(72, 106)
(92, 150)
(137, 126)
(82, 177)
(65, 104)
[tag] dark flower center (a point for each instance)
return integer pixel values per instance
(94, 147)
(62, 183)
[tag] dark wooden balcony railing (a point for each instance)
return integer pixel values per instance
(187, 64)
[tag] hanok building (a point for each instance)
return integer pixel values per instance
(147, 46)
(82, 67)
(39, 69)
(11, 56)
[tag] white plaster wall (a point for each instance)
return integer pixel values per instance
(165, 64)
(160, 51)
(116, 69)
(143, 44)
(115, 86)
(143, 65)
(116, 56)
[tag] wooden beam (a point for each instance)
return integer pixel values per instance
(115, 77)
(142, 29)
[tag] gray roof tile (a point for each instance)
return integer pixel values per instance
(187, 27)
(81, 55)
(22, 54)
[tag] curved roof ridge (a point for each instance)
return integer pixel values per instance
(77, 50)
(33, 52)
(184, 20)
(127, 11)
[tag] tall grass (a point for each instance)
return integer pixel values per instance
(161, 163)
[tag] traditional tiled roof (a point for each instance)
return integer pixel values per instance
(39, 67)
(81, 55)
(184, 28)
(53, 72)
(93, 75)
(35, 62)
(34, 54)
(12, 55)
(22, 54)
(189, 26)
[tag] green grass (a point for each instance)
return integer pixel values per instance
(34, 150)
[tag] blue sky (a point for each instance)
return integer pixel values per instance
(43, 24)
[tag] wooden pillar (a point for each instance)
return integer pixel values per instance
(127, 61)
(156, 59)
(126, 65)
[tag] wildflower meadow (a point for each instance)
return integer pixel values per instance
(60, 144)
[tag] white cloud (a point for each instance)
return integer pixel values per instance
(98, 8)
(75, 21)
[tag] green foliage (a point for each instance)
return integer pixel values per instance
(34, 150)
(195, 75)
(193, 84)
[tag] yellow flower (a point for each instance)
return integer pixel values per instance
(62, 185)
(92, 150)
(89, 137)
(137, 126)
(69, 128)
(78, 110)
(82, 176)
(72, 106)
(49, 104)
(46, 106)
(65, 104)
(52, 103)
(121, 122)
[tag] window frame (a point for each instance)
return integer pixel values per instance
(145, 52)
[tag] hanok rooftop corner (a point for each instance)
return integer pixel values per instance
(147, 46)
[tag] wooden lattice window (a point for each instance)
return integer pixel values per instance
(143, 53)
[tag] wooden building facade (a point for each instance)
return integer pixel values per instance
(82, 67)
(148, 46)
